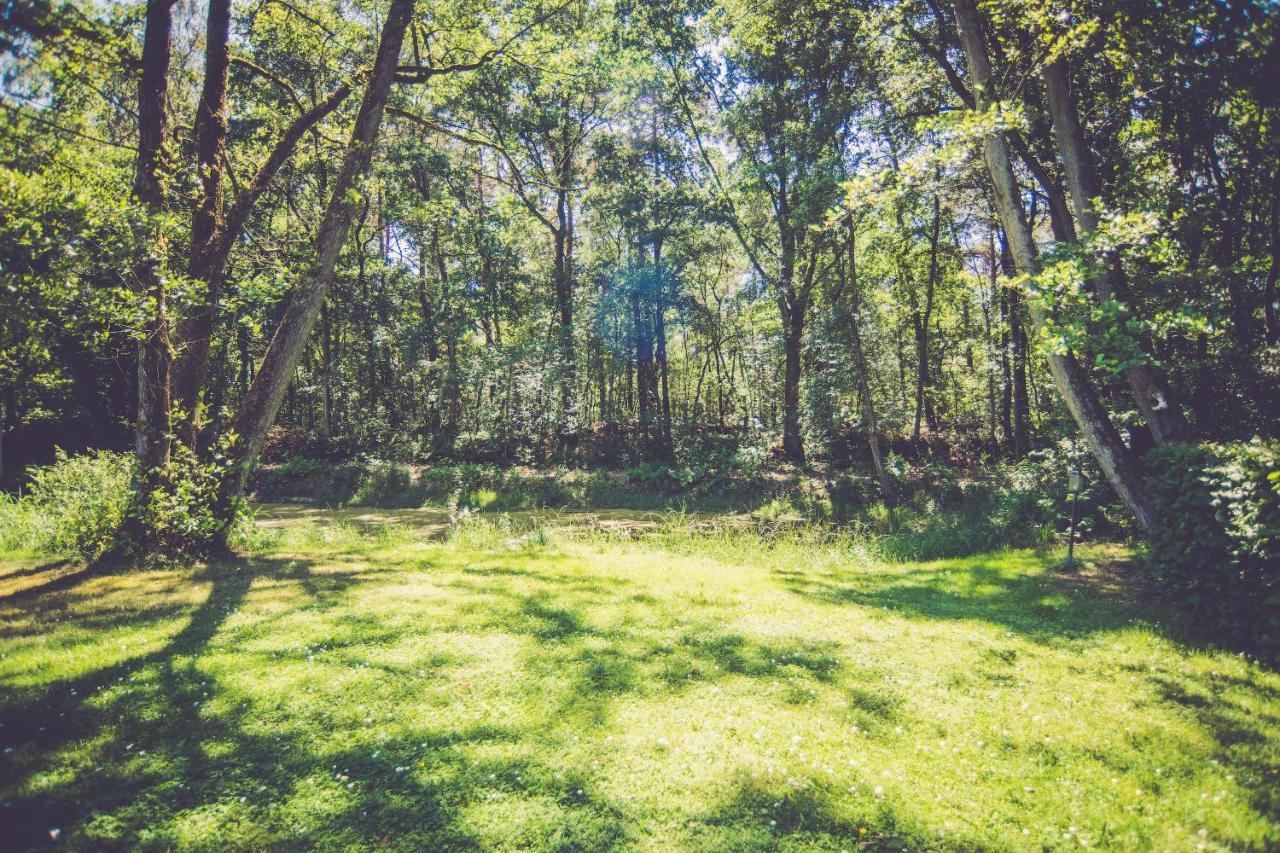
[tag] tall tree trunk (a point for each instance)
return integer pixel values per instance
(563, 273)
(152, 428)
(644, 368)
(213, 233)
(1147, 382)
(1073, 382)
(450, 386)
(792, 440)
(1270, 291)
(920, 325)
(660, 351)
(921, 334)
(1017, 403)
(326, 355)
(647, 402)
(485, 250)
(427, 308)
(988, 309)
(206, 221)
(791, 308)
(258, 409)
(1021, 366)
(864, 379)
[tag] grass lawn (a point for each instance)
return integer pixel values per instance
(580, 691)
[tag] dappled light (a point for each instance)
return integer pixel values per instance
(655, 425)
(599, 690)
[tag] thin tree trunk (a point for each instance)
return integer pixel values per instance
(792, 308)
(920, 325)
(427, 308)
(644, 364)
(450, 386)
(1147, 382)
(660, 351)
(326, 353)
(1021, 363)
(258, 409)
(864, 380)
(1073, 382)
(1006, 376)
(563, 274)
(988, 309)
(1270, 293)
(1017, 405)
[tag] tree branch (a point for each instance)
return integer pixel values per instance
(238, 215)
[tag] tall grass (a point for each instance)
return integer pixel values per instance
(73, 507)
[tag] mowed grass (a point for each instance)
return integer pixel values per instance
(698, 691)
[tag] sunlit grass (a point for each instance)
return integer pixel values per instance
(697, 687)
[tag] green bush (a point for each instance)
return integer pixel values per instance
(311, 478)
(514, 491)
(74, 506)
(605, 488)
(1216, 545)
(851, 495)
(177, 514)
(388, 484)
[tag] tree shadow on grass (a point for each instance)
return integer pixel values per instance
(59, 582)
(606, 646)
(230, 581)
(767, 814)
(1002, 590)
(1246, 737)
(155, 752)
(124, 756)
(31, 571)
(54, 716)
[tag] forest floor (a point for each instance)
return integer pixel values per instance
(476, 686)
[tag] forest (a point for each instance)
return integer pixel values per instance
(640, 424)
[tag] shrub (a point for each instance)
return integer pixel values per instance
(1216, 544)
(177, 516)
(74, 506)
(387, 484)
(22, 526)
(516, 491)
(603, 488)
(307, 477)
(851, 494)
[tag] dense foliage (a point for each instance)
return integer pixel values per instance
(73, 507)
(1218, 545)
(703, 244)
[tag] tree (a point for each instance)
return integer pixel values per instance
(540, 118)
(152, 427)
(1149, 387)
(1073, 383)
(787, 86)
(260, 405)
